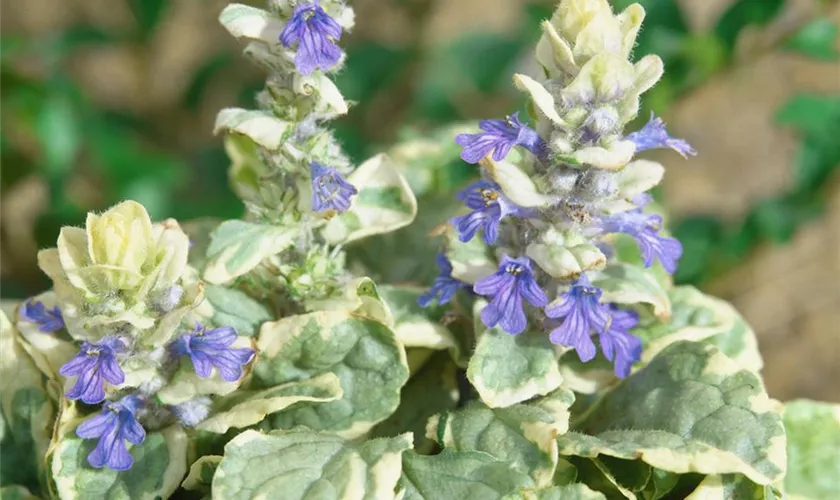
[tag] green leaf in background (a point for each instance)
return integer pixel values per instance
(816, 40)
(370, 67)
(57, 126)
(363, 353)
(16, 493)
(459, 474)
(522, 435)
(698, 235)
(690, 410)
(743, 13)
(201, 78)
(303, 464)
(417, 326)
(813, 446)
(236, 309)
(147, 14)
(432, 390)
(811, 114)
(26, 412)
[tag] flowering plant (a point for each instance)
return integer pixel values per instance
(551, 357)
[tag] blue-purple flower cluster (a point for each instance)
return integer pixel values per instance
(577, 314)
(314, 34)
(98, 363)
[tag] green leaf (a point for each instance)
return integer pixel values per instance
(627, 284)
(16, 493)
(148, 13)
(199, 231)
(522, 435)
(811, 114)
(370, 68)
(385, 203)
(433, 389)
(702, 318)
(160, 464)
(471, 261)
(732, 487)
(201, 474)
(237, 246)
(813, 447)
(236, 309)
(363, 353)
(26, 410)
(246, 408)
(743, 13)
(303, 464)
(416, 326)
(461, 475)
(60, 133)
(507, 369)
(597, 476)
(816, 39)
(567, 492)
(690, 410)
(262, 127)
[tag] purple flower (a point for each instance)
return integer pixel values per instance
(617, 343)
(48, 321)
(489, 206)
(329, 189)
(316, 33)
(582, 313)
(212, 348)
(644, 228)
(499, 136)
(114, 425)
(91, 365)
(513, 282)
(445, 285)
(654, 136)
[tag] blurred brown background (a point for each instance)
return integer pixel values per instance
(111, 99)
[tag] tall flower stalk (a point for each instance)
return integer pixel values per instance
(554, 196)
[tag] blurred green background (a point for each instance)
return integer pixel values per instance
(104, 100)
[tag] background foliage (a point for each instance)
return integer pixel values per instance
(77, 136)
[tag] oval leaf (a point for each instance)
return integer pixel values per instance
(304, 464)
(363, 353)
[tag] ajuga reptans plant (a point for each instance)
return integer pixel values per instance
(552, 357)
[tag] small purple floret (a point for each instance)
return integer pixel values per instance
(644, 228)
(654, 136)
(114, 425)
(93, 365)
(329, 189)
(315, 33)
(444, 287)
(582, 313)
(499, 136)
(48, 320)
(507, 287)
(209, 348)
(489, 207)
